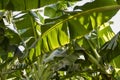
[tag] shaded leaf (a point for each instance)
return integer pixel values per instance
(96, 3)
(110, 50)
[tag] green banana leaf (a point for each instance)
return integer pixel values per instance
(77, 26)
(25, 4)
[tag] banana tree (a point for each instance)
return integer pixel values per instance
(76, 44)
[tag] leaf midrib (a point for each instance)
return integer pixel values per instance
(105, 8)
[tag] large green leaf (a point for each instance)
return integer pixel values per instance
(96, 3)
(25, 27)
(56, 38)
(79, 26)
(111, 49)
(97, 38)
(75, 26)
(105, 33)
(25, 4)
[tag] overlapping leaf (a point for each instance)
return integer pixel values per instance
(78, 25)
(87, 26)
(25, 4)
(110, 49)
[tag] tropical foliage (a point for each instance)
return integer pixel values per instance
(58, 40)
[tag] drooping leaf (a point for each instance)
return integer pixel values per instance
(77, 25)
(56, 38)
(110, 50)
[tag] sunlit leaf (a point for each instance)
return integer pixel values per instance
(111, 47)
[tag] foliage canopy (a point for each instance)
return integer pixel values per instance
(44, 40)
